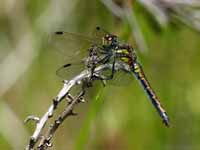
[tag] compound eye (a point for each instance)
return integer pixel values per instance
(110, 39)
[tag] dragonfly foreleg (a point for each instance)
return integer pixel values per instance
(110, 77)
(112, 71)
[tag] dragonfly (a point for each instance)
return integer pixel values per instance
(103, 48)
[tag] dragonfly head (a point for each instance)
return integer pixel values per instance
(110, 39)
(107, 38)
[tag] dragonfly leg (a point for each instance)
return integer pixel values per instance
(113, 70)
(110, 77)
(92, 71)
(105, 59)
(101, 78)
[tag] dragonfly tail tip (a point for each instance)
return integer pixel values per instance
(166, 122)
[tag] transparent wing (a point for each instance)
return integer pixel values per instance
(72, 46)
(70, 70)
(121, 78)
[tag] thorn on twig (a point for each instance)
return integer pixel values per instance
(49, 144)
(32, 118)
(55, 103)
(31, 144)
(58, 121)
(50, 115)
(79, 82)
(81, 99)
(69, 98)
(65, 81)
(44, 143)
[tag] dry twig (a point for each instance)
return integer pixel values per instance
(44, 142)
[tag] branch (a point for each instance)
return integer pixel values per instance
(45, 142)
(40, 123)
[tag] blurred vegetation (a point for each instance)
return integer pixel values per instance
(122, 118)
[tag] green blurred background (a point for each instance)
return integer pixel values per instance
(122, 118)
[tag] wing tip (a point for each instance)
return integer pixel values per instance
(59, 32)
(66, 65)
(98, 28)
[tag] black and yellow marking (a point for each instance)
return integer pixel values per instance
(122, 51)
(139, 73)
(123, 54)
(124, 59)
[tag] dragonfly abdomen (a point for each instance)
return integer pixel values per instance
(138, 71)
